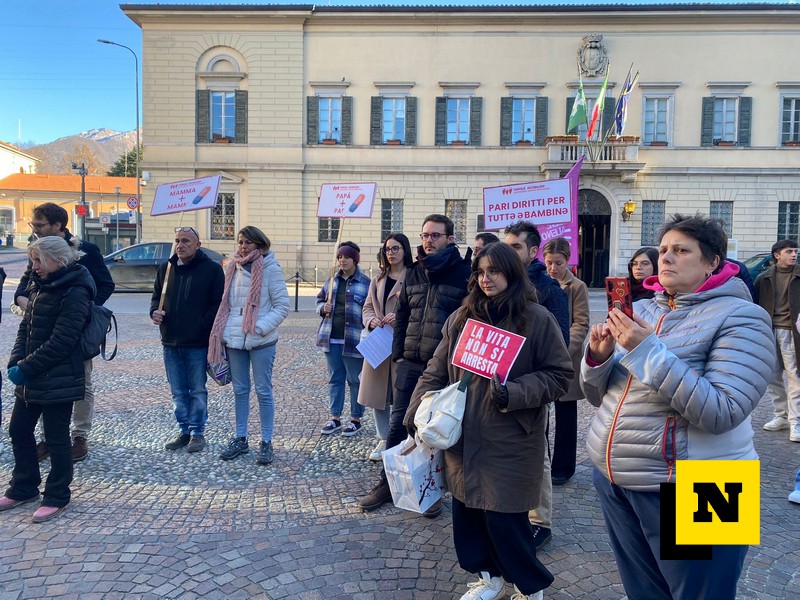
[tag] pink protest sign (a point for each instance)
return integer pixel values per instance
(485, 350)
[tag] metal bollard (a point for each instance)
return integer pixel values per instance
(296, 290)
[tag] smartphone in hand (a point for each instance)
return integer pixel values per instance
(618, 292)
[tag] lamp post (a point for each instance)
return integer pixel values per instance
(138, 142)
(116, 218)
(82, 171)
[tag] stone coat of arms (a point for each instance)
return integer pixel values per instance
(593, 56)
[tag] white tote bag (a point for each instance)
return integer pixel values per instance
(438, 418)
(415, 474)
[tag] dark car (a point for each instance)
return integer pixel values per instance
(134, 267)
(758, 263)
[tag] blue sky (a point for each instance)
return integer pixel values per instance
(57, 80)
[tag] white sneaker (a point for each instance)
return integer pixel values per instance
(520, 596)
(794, 434)
(486, 588)
(795, 497)
(777, 424)
(375, 455)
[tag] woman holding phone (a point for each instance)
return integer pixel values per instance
(677, 382)
(495, 470)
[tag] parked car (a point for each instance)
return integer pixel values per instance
(758, 263)
(134, 267)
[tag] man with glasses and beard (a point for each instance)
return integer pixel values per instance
(434, 287)
(191, 299)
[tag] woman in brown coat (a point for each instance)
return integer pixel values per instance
(495, 470)
(384, 292)
(556, 255)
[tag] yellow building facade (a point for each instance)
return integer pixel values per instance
(436, 104)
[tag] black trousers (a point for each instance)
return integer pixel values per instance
(565, 443)
(26, 477)
(407, 374)
(500, 544)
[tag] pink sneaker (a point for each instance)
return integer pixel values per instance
(45, 513)
(7, 503)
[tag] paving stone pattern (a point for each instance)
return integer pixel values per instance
(148, 523)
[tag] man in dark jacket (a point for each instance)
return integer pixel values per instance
(777, 290)
(524, 238)
(190, 301)
(433, 288)
(51, 219)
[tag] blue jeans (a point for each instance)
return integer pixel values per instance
(186, 373)
(262, 360)
(341, 369)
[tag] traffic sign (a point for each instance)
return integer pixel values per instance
(133, 203)
(105, 218)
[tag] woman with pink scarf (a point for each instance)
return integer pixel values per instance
(255, 302)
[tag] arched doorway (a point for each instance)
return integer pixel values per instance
(594, 231)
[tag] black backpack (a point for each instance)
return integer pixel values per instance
(98, 326)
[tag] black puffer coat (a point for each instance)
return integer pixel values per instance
(45, 349)
(433, 289)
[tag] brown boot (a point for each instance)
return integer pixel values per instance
(80, 449)
(42, 451)
(380, 495)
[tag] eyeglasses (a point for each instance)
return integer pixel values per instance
(491, 273)
(430, 236)
(191, 229)
(392, 249)
(38, 225)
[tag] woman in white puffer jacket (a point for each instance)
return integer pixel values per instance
(255, 302)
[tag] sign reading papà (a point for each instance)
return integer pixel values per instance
(485, 350)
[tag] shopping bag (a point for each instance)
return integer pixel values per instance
(416, 475)
(439, 415)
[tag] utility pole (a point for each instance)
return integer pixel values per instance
(82, 171)
(116, 218)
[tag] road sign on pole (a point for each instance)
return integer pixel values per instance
(133, 202)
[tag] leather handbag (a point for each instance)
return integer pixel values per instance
(440, 413)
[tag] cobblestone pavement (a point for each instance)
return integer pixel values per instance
(148, 523)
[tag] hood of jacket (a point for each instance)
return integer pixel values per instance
(537, 270)
(722, 283)
(71, 275)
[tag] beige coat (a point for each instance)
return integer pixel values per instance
(375, 382)
(578, 297)
(498, 463)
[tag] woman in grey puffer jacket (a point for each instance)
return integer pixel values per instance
(678, 382)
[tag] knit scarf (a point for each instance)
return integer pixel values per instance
(215, 341)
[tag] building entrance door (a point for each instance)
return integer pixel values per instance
(594, 227)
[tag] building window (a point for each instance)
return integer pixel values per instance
(223, 217)
(394, 119)
(653, 216)
(458, 120)
(725, 119)
(722, 210)
(523, 120)
(457, 211)
(391, 216)
(656, 121)
(328, 230)
(789, 220)
(790, 120)
(330, 119)
(223, 115)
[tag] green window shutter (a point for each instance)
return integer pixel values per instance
(609, 111)
(541, 121)
(506, 125)
(411, 121)
(745, 120)
(441, 121)
(376, 121)
(707, 123)
(312, 120)
(570, 100)
(347, 120)
(475, 114)
(241, 116)
(202, 126)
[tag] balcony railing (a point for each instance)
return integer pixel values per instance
(620, 156)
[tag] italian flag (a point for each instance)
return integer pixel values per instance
(598, 106)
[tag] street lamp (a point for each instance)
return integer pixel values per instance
(83, 172)
(138, 142)
(116, 217)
